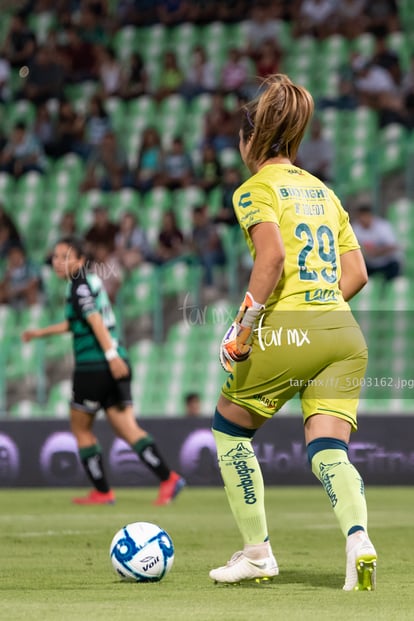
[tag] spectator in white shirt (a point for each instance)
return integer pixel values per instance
(201, 75)
(378, 243)
(317, 18)
(316, 154)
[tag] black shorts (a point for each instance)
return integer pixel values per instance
(93, 390)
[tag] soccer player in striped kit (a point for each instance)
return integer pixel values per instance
(102, 377)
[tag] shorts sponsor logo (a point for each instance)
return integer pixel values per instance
(91, 405)
(270, 404)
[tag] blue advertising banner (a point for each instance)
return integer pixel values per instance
(43, 452)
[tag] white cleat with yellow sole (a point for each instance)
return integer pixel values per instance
(361, 563)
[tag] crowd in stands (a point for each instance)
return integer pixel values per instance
(79, 47)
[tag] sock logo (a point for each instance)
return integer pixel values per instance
(246, 482)
(237, 457)
(325, 478)
(95, 467)
(149, 457)
(240, 452)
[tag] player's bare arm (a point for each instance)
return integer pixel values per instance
(51, 330)
(354, 274)
(118, 367)
(269, 260)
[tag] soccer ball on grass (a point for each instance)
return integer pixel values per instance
(142, 552)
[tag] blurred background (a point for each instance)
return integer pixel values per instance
(119, 123)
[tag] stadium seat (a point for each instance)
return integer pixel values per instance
(184, 202)
(183, 39)
(87, 201)
(60, 347)
(140, 292)
(124, 200)
(125, 41)
(172, 117)
(29, 365)
(116, 108)
(26, 409)
(8, 323)
(180, 277)
(22, 110)
(364, 44)
(42, 24)
(7, 189)
(230, 158)
(57, 405)
(392, 148)
(81, 93)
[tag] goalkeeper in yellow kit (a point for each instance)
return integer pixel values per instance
(294, 333)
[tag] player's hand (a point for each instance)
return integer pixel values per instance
(118, 368)
(235, 346)
(28, 335)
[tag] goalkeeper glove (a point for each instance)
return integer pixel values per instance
(234, 346)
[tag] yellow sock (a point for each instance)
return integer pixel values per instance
(243, 482)
(344, 486)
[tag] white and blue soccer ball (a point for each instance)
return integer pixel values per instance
(142, 552)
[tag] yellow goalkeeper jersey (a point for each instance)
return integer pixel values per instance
(314, 227)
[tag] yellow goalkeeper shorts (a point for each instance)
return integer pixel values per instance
(320, 355)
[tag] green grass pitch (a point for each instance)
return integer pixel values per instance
(55, 564)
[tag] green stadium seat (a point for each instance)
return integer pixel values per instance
(183, 39)
(230, 158)
(154, 40)
(29, 364)
(42, 24)
(26, 409)
(392, 149)
(139, 293)
(214, 35)
(57, 405)
(172, 116)
(4, 25)
(59, 347)
(81, 93)
(87, 202)
(399, 43)
(22, 110)
(72, 164)
(126, 199)
(7, 189)
(364, 44)
(8, 322)
(116, 108)
(125, 42)
(180, 277)
(333, 52)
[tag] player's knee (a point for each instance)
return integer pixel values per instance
(316, 447)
